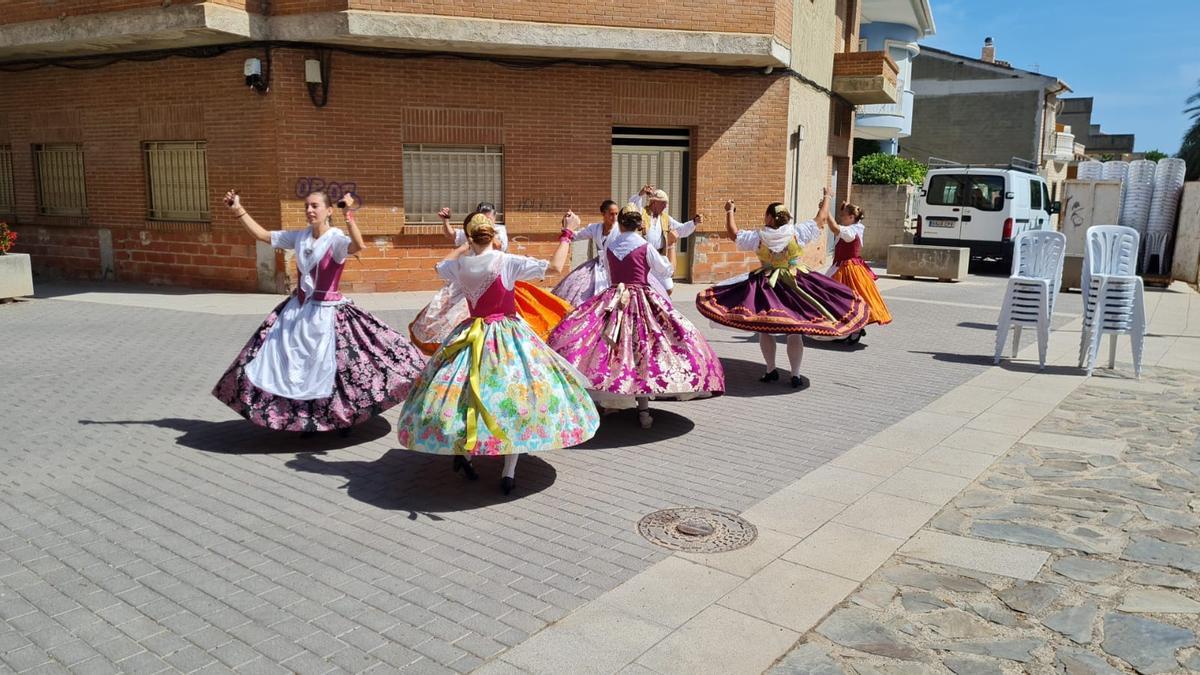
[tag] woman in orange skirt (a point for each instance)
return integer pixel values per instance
(848, 266)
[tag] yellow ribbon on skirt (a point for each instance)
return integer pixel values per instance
(473, 338)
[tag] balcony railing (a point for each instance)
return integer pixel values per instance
(865, 77)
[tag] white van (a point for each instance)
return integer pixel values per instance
(982, 208)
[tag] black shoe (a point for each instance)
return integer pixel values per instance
(799, 382)
(507, 484)
(346, 431)
(464, 464)
(308, 434)
(772, 376)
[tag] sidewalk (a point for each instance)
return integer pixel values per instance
(146, 528)
(824, 535)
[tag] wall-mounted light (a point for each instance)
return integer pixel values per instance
(312, 71)
(316, 77)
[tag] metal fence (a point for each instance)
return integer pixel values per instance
(457, 176)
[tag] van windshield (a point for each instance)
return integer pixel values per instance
(985, 193)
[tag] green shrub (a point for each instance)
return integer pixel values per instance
(883, 169)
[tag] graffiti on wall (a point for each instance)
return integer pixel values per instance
(309, 184)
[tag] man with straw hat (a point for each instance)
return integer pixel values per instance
(661, 230)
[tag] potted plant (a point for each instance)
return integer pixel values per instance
(16, 272)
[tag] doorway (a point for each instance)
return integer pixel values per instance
(659, 157)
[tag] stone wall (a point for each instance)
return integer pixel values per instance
(890, 217)
(1185, 264)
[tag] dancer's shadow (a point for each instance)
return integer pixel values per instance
(621, 429)
(239, 437)
(422, 484)
(829, 346)
(741, 378)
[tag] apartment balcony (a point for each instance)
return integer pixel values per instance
(1062, 147)
(864, 78)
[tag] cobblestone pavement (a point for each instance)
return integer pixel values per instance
(1106, 489)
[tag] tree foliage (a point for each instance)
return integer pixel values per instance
(1189, 150)
(1154, 155)
(884, 169)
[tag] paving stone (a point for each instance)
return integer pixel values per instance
(918, 601)
(1012, 650)
(807, 659)
(874, 595)
(955, 623)
(908, 575)
(994, 612)
(1147, 645)
(1158, 601)
(1030, 598)
(1154, 577)
(1071, 661)
(857, 629)
(964, 666)
(1085, 569)
(1074, 622)
(1034, 535)
(1155, 552)
(863, 667)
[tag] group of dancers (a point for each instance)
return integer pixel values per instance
(495, 365)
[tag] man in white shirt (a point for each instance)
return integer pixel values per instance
(654, 203)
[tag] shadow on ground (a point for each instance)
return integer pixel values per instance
(1005, 363)
(239, 437)
(402, 480)
(621, 429)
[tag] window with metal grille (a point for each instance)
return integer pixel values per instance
(176, 180)
(8, 197)
(58, 168)
(457, 176)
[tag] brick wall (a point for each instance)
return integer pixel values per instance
(555, 125)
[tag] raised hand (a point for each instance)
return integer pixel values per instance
(444, 213)
(570, 221)
(232, 200)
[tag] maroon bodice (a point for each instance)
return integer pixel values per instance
(847, 250)
(496, 300)
(634, 270)
(327, 276)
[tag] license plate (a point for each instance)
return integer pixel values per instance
(941, 222)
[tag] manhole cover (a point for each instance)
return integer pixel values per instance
(697, 530)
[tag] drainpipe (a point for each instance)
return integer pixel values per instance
(797, 138)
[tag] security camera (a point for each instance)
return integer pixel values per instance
(252, 69)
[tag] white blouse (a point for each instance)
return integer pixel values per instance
(777, 239)
(475, 273)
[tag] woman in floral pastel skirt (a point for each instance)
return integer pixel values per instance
(493, 387)
(317, 363)
(629, 340)
(540, 308)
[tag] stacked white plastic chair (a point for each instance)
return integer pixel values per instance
(1091, 170)
(1164, 204)
(1032, 289)
(1137, 195)
(1113, 295)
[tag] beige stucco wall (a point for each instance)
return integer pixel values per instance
(1185, 265)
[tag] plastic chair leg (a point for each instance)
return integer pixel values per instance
(1016, 346)
(1112, 351)
(1043, 331)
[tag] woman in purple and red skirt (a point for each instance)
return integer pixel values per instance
(317, 363)
(782, 296)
